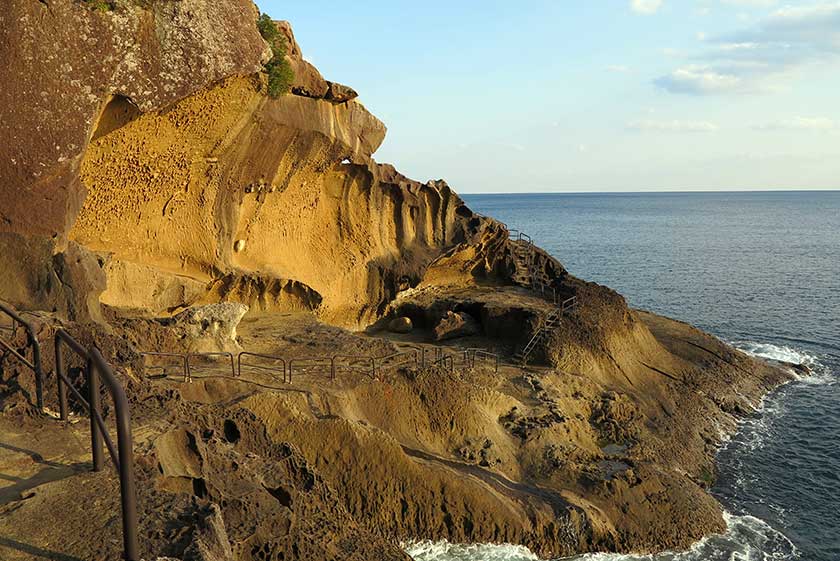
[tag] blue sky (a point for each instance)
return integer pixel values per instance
(607, 95)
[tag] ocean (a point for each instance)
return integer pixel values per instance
(760, 270)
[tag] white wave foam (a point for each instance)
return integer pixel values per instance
(820, 374)
(747, 538)
(445, 551)
(776, 352)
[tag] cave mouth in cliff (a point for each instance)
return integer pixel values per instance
(119, 110)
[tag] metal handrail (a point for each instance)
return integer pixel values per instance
(520, 236)
(315, 361)
(182, 356)
(354, 358)
(421, 351)
(257, 366)
(547, 290)
(412, 353)
(569, 304)
(224, 354)
(471, 354)
(443, 361)
(35, 364)
(96, 367)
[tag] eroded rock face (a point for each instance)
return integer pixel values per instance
(71, 73)
(63, 62)
(276, 504)
(164, 157)
(249, 197)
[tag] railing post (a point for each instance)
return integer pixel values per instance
(39, 375)
(125, 450)
(59, 370)
(95, 409)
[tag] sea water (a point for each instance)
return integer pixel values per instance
(759, 270)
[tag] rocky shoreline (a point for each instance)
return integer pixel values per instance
(537, 456)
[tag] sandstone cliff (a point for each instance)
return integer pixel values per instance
(149, 141)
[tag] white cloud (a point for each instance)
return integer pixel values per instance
(696, 79)
(764, 57)
(751, 3)
(648, 125)
(646, 6)
(818, 124)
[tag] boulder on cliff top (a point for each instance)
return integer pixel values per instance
(339, 93)
(400, 325)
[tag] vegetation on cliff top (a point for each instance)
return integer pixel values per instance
(101, 5)
(280, 73)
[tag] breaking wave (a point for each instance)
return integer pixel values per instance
(820, 374)
(445, 551)
(776, 352)
(747, 538)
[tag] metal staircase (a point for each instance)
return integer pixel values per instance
(523, 257)
(529, 276)
(551, 322)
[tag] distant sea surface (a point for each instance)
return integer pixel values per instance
(760, 270)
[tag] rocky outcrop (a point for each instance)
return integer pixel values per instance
(189, 184)
(456, 324)
(211, 327)
(229, 184)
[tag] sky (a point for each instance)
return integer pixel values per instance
(583, 95)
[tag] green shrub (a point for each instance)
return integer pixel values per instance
(101, 5)
(280, 73)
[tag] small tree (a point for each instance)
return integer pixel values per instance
(280, 73)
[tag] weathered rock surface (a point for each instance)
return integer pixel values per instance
(338, 236)
(454, 325)
(166, 158)
(71, 73)
(308, 81)
(211, 327)
(151, 56)
(339, 93)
